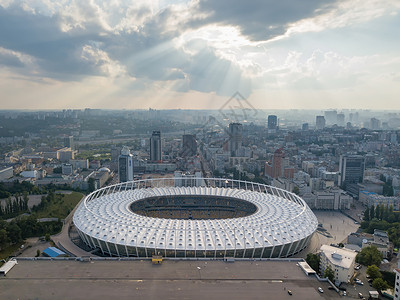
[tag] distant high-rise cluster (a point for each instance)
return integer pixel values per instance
(155, 146)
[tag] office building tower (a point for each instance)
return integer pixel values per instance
(304, 127)
(235, 137)
(189, 145)
(340, 119)
(115, 153)
(279, 164)
(125, 165)
(155, 146)
(331, 117)
(320, 122)
(69, 141)
(351, 169)
(272, 122)
(375, 124)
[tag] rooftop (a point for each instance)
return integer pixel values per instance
(341, 257)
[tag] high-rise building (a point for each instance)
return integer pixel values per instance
(340, 119)
(115, 153)
(351, 169)
(125, 165)
(304, 127)
(272, 122)
(235, 137)
(155, 146)
(189, 145)
(279, 163)
(320, 122)
(375, 124)
(69, 141)
(331, 117)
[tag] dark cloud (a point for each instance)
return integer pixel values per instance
(259, 20)
(148, 51)
(57, 53)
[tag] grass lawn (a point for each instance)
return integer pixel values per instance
(62, 205)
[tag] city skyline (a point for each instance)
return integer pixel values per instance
(196, 54)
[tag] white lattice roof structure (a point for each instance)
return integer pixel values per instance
(281, 219)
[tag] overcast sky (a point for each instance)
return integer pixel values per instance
(135, 54)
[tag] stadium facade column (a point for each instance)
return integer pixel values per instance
(108, 248)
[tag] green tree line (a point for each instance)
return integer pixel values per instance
(14, 207)
(383, 218)
(25, 227)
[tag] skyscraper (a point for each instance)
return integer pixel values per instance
(125, 165)
(155, 146)
(189, 145)
(320, 122)
(340, 119)
(235, 137)
(331, 117)
(277, 167)
(351, 169)
(69, 141)
(272, 122)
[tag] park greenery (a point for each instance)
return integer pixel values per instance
(14, 207)
(374, 272)
(53, 205)
(380, 284)
(329, 273)
(383, 218)
(313, 261)
(369, 256)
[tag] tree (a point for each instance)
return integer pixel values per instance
(372, 212)
(37, 253)
(378, 212)
(14, 232)
(373, 272)
(369, 256)
(3, 238)
(313, 260)
(329, 273)
(380, 284)
(366, 214)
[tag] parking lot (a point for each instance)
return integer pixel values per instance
(171, 280)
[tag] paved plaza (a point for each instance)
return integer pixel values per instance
(171, 280)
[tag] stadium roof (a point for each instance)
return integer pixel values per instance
(278, 220)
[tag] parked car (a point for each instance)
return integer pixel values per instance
(358, 281)
(320, 290)
(290, 292)
(360, 295)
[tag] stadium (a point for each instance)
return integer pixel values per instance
(194, 218)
